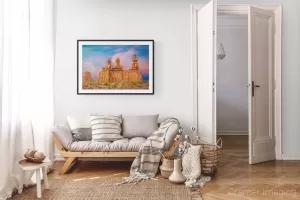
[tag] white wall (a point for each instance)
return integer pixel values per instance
(117, 19)
(232, 97)
(168, 23)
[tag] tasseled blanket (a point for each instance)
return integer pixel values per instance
(145, 165)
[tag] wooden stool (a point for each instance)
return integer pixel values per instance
(28, 166)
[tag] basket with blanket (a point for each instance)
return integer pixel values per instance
(209, 156)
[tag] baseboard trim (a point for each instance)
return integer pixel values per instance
(58, 157)
(232, 132)
(290, 157)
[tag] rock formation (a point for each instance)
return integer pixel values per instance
(109, 64)
(118, 66)
(108, 74)
(135, 64)
(87, 77)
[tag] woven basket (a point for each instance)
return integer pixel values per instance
(29, 156)
(36, 160)
(210, 156)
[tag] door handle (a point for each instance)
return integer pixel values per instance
(254, 86)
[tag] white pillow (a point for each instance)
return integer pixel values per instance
(106, 127)
(139, 126)
(75, 123)
(80, 128)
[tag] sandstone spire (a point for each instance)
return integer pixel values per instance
(135, 64)
(118, 66)
(87, 77)
(109, 63)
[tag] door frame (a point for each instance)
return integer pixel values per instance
(243, 9)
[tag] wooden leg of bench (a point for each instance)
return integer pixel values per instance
(68, 164)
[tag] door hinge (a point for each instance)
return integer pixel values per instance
(274, 85)
(213, 86)
(214, 32)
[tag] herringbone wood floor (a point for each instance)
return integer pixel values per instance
(236, 179)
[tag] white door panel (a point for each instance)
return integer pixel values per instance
(206, 39)
(261, 62)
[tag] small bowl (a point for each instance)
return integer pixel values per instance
(36, 160)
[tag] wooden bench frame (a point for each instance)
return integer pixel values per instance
(72, 157)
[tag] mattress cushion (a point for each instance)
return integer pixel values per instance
(123, 145)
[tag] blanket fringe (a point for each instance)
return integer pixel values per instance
(197, 182)
(137, 177)
(195, 194)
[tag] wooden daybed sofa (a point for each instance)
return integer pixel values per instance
(72, 151)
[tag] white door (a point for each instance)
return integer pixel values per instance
(261, 62)
(206, 64)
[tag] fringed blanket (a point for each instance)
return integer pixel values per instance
(192, 166)
(145, 165)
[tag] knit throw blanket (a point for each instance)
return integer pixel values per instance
(191, 165)
(145, 165)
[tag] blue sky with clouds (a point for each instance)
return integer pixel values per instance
(94, 57)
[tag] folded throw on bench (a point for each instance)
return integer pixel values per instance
(145, 165)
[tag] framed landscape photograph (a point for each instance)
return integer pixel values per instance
(115, 67)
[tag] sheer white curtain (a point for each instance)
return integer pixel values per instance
(26, 84)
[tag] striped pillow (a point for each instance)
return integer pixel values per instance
(106, 127)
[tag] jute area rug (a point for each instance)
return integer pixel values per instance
(106, 189)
